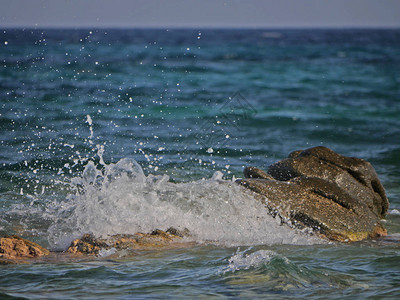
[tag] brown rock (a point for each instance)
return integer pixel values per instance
(90, 245)
(15, 247)
(339, 197)
(253, 172)
(354, 175)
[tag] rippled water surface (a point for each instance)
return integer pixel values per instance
(119, 131)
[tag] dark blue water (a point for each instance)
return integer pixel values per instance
(185, 104)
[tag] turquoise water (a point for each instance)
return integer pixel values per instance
(119, 131)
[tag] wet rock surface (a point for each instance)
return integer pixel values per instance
(340, 197)
(157, 239)
(14, 248)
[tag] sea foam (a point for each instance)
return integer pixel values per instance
(120, 199)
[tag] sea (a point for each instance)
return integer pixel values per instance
(118, 131)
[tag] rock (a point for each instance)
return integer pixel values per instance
(180, 233)
(340, 197)
(157, 239)
(252, 172)
(88, 244)
(15, 247)
(356, 176)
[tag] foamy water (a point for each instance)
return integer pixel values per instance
(241, 260)
(119, 198)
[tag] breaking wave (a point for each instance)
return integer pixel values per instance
(120, 198)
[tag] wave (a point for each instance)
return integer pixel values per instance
(269, 269)
(120, 198)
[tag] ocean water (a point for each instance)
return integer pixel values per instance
(119, 131)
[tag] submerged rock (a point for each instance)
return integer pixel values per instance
(14, 247)
(16, 250)
(340, 197)
(157, 239)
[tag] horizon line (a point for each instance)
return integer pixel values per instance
(175, 27)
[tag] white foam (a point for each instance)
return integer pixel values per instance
(243, 261)
(107, 252)
(121, 199)
(395, 212)
(90, 122)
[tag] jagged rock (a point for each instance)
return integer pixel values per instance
(354, 175)
(340, 197)
(180, 233)
(90, 245)
(87, 244)
(14, 247)
(253, 172)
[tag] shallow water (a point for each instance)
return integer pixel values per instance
(119, 131)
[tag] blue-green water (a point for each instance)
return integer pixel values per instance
(79, 108)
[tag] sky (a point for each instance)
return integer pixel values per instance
(200, 14)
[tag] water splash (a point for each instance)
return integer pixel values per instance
(120, 198)
(271, 270)
(90, 122)
(394, 212)
(243, 261)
